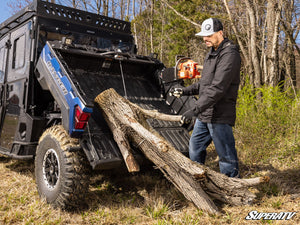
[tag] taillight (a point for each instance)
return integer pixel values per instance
(81, 118)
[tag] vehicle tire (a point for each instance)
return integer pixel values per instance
(62, 176)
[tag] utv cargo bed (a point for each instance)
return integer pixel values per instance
(89, 74)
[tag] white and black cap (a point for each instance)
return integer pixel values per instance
(209, 27)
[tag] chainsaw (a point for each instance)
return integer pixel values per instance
(186, 68)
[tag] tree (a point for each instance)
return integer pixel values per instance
(261, 22)
(265, 30)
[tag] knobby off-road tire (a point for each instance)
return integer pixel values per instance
(62, 177)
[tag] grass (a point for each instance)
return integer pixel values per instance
(267, 141)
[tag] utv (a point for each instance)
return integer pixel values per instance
(54, 61)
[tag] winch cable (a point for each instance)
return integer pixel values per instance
(123, 79)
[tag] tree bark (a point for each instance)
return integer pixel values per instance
(289, 54)
(113, 9)
(151, 25)
(253, 43)
(122, 10)
(105, 7)
(127, 10)
(197, 183)
(273, 19)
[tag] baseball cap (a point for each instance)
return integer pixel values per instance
(209, 27)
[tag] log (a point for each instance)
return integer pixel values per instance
(196, 182)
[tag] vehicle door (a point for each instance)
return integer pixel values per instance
(15, 83)
(4, 46)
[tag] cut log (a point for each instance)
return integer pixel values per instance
(197, 183)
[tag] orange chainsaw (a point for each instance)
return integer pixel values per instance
(186, 68)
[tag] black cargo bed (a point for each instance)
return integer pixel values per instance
(92, 75)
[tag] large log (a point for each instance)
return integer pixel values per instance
(198, 183)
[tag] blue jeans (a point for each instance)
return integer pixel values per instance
(222, 136)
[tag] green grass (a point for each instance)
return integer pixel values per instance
(157, 210)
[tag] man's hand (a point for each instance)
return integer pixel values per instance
(177, 92)
(187, 116)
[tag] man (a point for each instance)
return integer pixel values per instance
(215, 108)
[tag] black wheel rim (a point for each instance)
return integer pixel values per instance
(51, 168)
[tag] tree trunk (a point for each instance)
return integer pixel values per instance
(134, 25)
(122, 10)
(253, 44)
(273, 19)
(113, 9)
(127, 10)
(289, 54)
(105, 7)
(151, 25)
(198, 183)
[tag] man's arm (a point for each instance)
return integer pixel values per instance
(192, 89)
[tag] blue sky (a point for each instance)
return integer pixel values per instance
(4, 10)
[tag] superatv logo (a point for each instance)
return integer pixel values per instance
(254, 215)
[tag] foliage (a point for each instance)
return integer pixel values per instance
(172, 34)
(267, 123)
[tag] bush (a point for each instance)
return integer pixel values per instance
(267, 123)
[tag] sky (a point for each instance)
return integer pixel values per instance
(4, 10)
